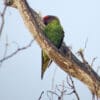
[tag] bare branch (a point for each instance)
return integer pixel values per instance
(2, 19)
(93, 60)
(85, 44)
(6, 49)
(70, 82)
(52, 92)
(80, 52)
(41, 95)
(15, 52)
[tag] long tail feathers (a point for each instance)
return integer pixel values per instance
(46, 61)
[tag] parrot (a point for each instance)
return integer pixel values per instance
(54, 32)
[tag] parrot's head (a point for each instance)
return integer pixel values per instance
(49, 18)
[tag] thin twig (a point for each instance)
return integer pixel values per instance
(61, 91)
(2, 18)
(41, 95)
(93, 60)
(72, 86)
(80, 52)
(86, 41)
(52, 92)
(6, 49)
(15, 52)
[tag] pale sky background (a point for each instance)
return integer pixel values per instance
(20, 76)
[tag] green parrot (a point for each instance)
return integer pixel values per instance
(54, 32)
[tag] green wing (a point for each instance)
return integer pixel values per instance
(54, 32)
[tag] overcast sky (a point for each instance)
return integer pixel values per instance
(20, 76)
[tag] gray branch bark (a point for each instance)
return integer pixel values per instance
(65, 59)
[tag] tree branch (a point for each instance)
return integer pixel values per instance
(65, 59)
(15, 52)
(2, 19)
